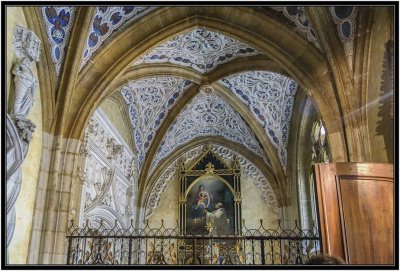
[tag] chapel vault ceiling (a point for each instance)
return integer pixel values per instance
(268, 96)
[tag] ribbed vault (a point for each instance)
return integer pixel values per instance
(215, 47)
(197, 54)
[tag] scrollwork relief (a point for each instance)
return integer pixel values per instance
(107, 171)
(113, 149)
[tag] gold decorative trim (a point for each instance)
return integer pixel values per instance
(208, 149)
(208, 175)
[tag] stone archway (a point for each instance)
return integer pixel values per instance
(291, 53)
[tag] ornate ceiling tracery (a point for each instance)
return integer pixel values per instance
(105, 22)
(270, 97)
(149, 101)
(299, 17)
(58, 22)
(345, 20)
(200, 49)
(208, 115)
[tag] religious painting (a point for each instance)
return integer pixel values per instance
(209, 203)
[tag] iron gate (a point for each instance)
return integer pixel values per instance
(102, 246)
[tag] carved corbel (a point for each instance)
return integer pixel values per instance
(25, 128)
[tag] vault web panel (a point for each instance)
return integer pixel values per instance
(208, 115)
(270, 97)
(58, 22)
(149, 101)
(200, 49)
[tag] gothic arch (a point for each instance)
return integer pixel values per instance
(84, 91)
(150, 70)
(307, 68)
(109, 216)
(235, 147)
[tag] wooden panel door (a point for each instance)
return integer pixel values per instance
(355, 206)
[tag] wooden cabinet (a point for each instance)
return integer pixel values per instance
(355, 206)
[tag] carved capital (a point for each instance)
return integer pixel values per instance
(182, 198)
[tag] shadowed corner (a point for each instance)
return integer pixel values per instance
(385, 111)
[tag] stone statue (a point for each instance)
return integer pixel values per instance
(218, 220)
(25, 84)
(19, 128)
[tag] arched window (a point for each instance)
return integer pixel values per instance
(320, 154)
(320, 150)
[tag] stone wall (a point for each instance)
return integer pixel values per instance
(380, 90)
(253, 207)
(115, 113)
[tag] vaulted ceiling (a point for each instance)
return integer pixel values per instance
(234, 106)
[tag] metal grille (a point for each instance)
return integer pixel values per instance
(162, 246)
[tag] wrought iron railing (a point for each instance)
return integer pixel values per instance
(91, 246)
